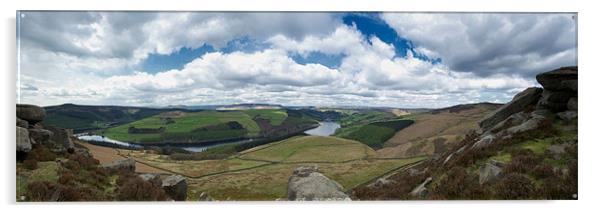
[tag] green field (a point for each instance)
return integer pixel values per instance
(365, 117)
(262, 173)
(270, 182)
(374, 134)
(184, 126)
(311, 148)
(80, 117)
(46, 171)
(276, 116)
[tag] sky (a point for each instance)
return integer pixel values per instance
(406, 60)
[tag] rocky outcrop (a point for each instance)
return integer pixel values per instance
(28, 121)
(307, 183)
(554, 101)
(421, 190)
(560, 86)
(22, 123)
(490, 171)
(31, 113)
(561, 79)
(61, 136)
(40, 135)
(128, 164)
(152, 178)
(380, 182)
(176, 187)
(205, 197)
(557, 150)
(518, 104)
(23, 142)
(532, 123)
(569, 115)
(559, 93)
(572, 104)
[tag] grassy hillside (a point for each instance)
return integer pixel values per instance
(311, 148)
(375, 134)
(187, 126)
(210, 126)
(262, 173)
(78, 117)
(276, 116)
(354, 118)
(435, 130)
(531, 169)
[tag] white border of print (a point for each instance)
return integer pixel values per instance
(588, 31)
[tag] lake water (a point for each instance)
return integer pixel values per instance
(325, 129)
(192, 148)
(99, 138)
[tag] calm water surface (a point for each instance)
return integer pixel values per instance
(325, 129)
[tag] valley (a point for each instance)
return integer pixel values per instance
(317, 105)
(257, 170)
(262, 173)
(352, 156)
(248, 152)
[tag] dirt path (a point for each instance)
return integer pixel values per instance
(106, 155)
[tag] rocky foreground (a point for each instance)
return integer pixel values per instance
(526, 149)
(307, 184)
(51, 167)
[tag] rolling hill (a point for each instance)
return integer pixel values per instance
(208, 126)
(436, 130)
(82, 118)
(262, 173)
(375, 134)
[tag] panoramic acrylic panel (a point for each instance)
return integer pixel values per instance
(293, 106)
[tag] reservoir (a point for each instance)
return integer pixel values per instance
(325, 129)
(192, 147)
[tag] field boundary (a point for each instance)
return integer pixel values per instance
(394, 170)
(268, 163)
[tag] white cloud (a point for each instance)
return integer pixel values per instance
(487, 44)
(96, 65)
(137, 34)
(227, 71)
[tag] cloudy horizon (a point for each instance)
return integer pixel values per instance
(406, 60)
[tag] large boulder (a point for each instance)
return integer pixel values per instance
(205, 197)
(561, 79)
(490, 172)
(61, 136)
(567, 115)
(176, 187)
(484, 141)
(152, 178)
(40, 135)
(30, 113)
(518, 103)
(127, 164)
(380, 182)
(555, 101)
(572, 104)
(513, 120)
(421, 190)
(22, 123)
(23, 142)
(307, 183)
(533, 123)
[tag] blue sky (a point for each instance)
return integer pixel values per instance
(375, 59)
(369, 24)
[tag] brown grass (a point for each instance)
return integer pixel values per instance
(107, 155)
(428, 127)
